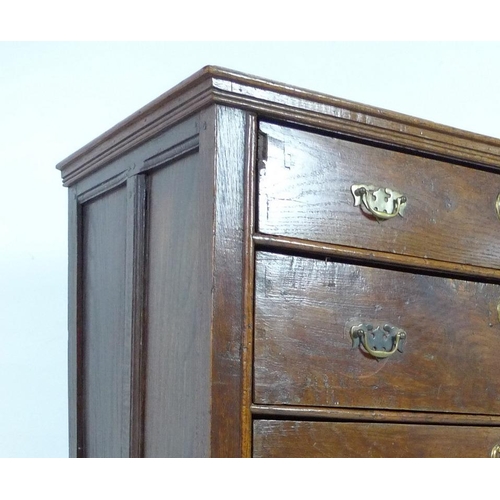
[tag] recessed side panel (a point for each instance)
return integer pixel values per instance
(177, 373)
(102, 367)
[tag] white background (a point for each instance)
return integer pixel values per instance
(55, 97)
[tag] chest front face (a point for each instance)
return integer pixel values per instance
(376, 298)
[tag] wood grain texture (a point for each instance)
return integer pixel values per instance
(290, 412)
(104, 368)
(137, 130)
(303, 351)
(75, 425)
(282, 438)
(285, 244)
(229, 288)
(135, 292)
(213, 85)
(305, 192)
(163, 147)
(300, 106)
(248, 283)
(177, 387)
(195, 333)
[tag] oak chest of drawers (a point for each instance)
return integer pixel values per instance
(260, 270)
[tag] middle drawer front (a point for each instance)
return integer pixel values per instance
(305, 311)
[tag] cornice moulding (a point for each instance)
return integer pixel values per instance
(273, 100)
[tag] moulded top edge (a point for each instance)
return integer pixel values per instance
(141, 114)
(276, 89)
(213, 84)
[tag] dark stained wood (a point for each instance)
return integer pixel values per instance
(177, 388)
(75, 423)
(290, 412)
(300, 106)
(282, 438)
(100, 188)
(195, 333)
(229, 289)
(214, 85)
(104, 368)
(248, 283)
(134, 309)
(141, 127)
(303, 351)
(305, 192)
(363, 255)
(172, 154)
(171, 144)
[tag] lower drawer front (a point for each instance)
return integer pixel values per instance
(283, 438)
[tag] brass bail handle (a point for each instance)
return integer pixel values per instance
(495, 451)
(380, 342)
(382, 203)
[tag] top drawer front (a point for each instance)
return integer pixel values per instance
(305, 184)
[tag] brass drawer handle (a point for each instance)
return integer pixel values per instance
(495, 452)
(382, 203)
(378, 342)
